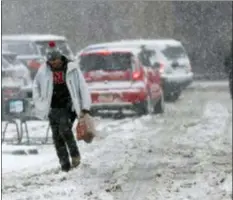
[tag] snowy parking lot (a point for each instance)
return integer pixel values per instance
(184, 154)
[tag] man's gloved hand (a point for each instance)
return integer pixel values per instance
(83, 112)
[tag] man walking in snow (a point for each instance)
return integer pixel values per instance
(61, 94)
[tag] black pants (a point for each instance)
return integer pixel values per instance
(61, 121)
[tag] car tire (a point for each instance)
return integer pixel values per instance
(159, 106)
(94, 112)
(145, 107)
(172, 97)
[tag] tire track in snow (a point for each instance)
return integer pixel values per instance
(139, 185)
(215, 116)
(204, 136)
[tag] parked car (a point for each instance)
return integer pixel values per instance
(31, 49)
(171, 57)
(15, 77)
(118, 80)
(17, 66)
(15, 74)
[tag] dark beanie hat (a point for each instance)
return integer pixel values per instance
(52, 51)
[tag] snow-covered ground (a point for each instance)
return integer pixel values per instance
(209, 85)
(186, 153)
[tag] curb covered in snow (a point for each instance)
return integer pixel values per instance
(19, 150)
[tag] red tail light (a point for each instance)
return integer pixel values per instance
(103, 53)
(161, 68)
(137, 75)
(87, 77)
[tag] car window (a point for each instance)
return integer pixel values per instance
(61, 45)
(111, 62)
(20, 47)
(174, 52)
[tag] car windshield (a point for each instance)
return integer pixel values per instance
(20, 48)
(174, 52)
(111, 62)
(61, 45)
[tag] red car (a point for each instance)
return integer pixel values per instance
(118, 79)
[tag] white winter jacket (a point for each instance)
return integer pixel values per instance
(43, 90)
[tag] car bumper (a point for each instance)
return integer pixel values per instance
(118, 99)
(176, 83)
(113, 106)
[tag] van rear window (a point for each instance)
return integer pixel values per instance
(174, 52)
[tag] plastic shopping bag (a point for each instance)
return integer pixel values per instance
(85, 128)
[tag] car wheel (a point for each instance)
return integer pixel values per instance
(160, 106)
(94, 112)
(173, 96)
(145, 107)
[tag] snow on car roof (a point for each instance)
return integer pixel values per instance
(33, 37)
(139, 42)
(8, 53)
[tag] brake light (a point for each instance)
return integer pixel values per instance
(102, 52)
(87, 77)
(161, 68)
(138, 75)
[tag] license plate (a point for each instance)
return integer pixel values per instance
(16, 106)
(105, 98)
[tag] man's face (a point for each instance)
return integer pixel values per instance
(56, 63)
